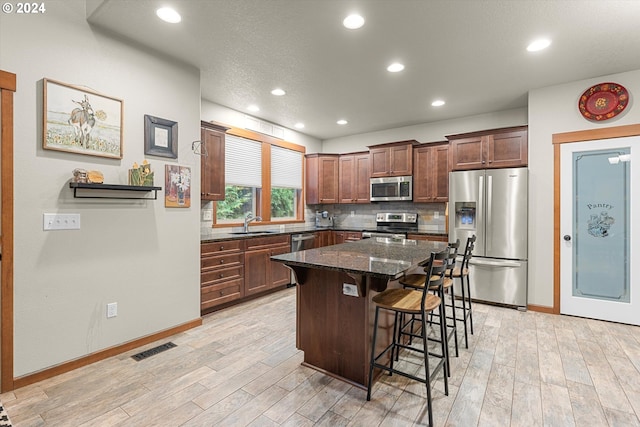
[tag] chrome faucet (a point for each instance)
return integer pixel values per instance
(250, 218)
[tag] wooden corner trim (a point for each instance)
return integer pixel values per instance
(542, 309)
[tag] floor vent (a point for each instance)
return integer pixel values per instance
(155, 350)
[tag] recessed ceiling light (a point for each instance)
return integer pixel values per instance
(353, 22)
(438, 103)
(539, 44)
(395, 67)
(168, 14)
(342, 122)
(278, 92)
(299, 125)
(253, 108)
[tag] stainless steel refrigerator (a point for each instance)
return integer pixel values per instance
(492, 204)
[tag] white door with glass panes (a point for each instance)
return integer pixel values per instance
(599, 199)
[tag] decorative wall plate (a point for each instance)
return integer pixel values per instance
(603, 101)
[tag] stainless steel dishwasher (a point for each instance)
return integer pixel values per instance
(301, 242)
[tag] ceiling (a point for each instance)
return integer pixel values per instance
(470, 53)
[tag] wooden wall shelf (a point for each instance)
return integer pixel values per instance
(75, 186)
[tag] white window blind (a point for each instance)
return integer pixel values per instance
(286, 168)
(242, 162)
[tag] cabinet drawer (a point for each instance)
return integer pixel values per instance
(221, 275)
(221, 293)
(221, 261)
(216, 248)
(267, 242)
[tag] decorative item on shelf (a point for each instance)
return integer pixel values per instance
(80, 120)
(177, 186)
(95, 177)
(603, 101)
(141, 175)
(79, 175)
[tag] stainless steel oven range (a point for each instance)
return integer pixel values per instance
(394, 225)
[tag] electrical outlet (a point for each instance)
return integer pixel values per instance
(207, 215)
(350, 289)
(436, 215)
(51, 221)
(112, 310)
(353, 213)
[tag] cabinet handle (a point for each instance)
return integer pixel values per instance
(221, 261)
(221, 293)
(221, 275)
(483, 162)
(221, 248)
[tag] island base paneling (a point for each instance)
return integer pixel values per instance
(335, 330)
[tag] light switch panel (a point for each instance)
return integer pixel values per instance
(52, 221)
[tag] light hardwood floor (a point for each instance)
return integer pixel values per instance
(241, 368)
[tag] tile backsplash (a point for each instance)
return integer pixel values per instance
(431, 216)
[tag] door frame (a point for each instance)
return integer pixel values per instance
(7, 89)
(566, 138)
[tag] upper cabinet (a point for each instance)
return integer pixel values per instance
(321, 178)
(212, 164)
(393, 159)
(498, 148)
(354, 178)
(431, 172)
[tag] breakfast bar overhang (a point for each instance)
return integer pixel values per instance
(334, 312)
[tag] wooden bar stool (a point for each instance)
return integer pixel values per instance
(417, 303)
(462, 273)
(417, 281)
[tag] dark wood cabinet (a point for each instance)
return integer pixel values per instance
(431, 172)
(323, 238)
(354, 178)
(212, 182)
(346, 236)
(393, 159)
(321, 178)
(221, 273)
(262, 274)
(498, 148)
(232, 270)
(428, 237)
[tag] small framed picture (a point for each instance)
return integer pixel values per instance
(177, 186)
(160, 137)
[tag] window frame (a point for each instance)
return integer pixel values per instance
(263, 196)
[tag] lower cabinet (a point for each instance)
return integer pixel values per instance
(346, 236)
(323, 238)
(262, 274)
(234, 269)
(429, 237)
(221, 273)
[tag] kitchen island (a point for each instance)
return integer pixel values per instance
(334, 311)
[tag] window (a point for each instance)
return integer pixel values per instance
(243, 179)
(286, 183)
(262, 176)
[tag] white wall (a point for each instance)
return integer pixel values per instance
(555, 110)
(218, 113)
(141, 255)
(427, 132)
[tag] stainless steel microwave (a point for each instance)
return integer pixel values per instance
(391, 189)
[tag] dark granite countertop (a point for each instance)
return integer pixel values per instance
(207, 237)
(375, 257)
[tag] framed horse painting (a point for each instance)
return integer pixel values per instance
(80, 120)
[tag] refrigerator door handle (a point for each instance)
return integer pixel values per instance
(480, 210)
(489, 223)
(496, 263)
